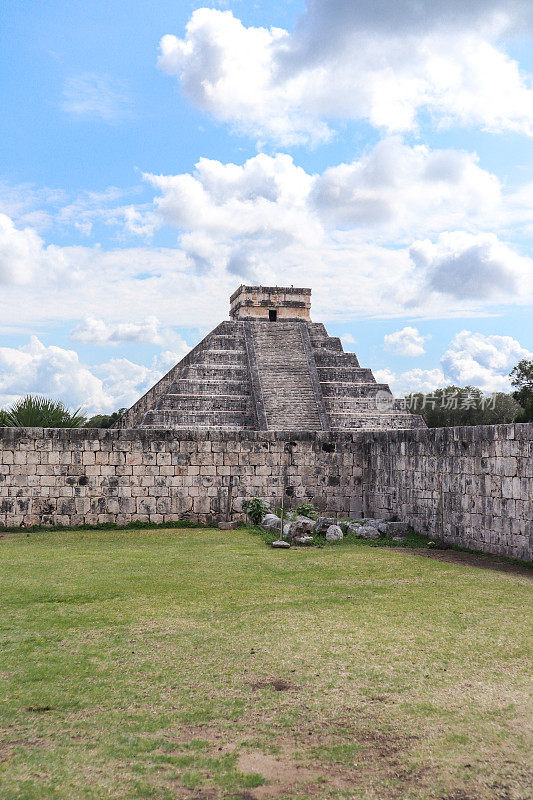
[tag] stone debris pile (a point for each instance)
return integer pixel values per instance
(303, 530)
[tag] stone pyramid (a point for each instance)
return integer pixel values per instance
(269, 368)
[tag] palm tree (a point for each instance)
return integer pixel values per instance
(36, 411)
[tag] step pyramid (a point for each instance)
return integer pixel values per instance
(269, 368)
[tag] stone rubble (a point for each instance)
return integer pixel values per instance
(334, 534)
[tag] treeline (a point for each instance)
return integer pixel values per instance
(455, 405)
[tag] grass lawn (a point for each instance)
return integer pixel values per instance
(203, 664)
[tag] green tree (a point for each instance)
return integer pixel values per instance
(104, 420)
(522, 380)
(456, 405)
(35, 411)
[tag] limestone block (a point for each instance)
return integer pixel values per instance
(334, 534)
(271, 522)
(322, 524)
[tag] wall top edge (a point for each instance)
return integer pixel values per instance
(466, 433)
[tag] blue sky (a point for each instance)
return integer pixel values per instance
(155, 156)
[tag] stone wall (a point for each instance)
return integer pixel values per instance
(470, 486)
(483, 474)
(70, 477)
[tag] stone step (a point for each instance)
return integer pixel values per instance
(333, 392)
(344, 374)
(332, 358)
(287, 390)
(223, 357)
(204, 402)
(192, 418)
(375, 421)
(207, 386)
(221, 372)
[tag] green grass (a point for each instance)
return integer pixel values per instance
(140, 664)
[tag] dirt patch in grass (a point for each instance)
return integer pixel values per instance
(279, 684)
(459, 796)
(481, 560)
(281, 775)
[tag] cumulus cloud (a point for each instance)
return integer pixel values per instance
(384, 62)
(266, 197)
(268, 216)
(348, 340)
(373, 226)
(96, 96)
(52, 371)
(393, 191)
(413, 380)
(471, 359)
(406, 342)
(149, 331)
(473, 266)
(475, 359)
(58, 373)
(20, 252)
(398, 189)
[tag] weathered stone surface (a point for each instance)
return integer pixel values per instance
(399, 538)
(300, 527)
(354, 528)
(303, 540)
(72, 477)
(334, 534)
(397, 528)
(322, 524)
(271, 522)
(280, 543)
(269, 368)
(228, 526)
(369, 532)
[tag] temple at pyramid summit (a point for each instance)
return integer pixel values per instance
(269, 368)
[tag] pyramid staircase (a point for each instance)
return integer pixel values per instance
(261, 375)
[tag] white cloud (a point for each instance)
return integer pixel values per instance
(473, 266)
(384, 62)
(396, 189)
(348, 340)
(413, 380)
(406, 342)
(266, 197)
(20, 252)
(51, 371)
(58, 373)
(96, 96)
(149, 331)
(472, 359)
(475, 359)
(373, 227)
(370, 226)
(268, 217)
(392, 193)
(229, 70)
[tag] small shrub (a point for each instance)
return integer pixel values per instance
(307, 510)
(36, 411)
(256, 509)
